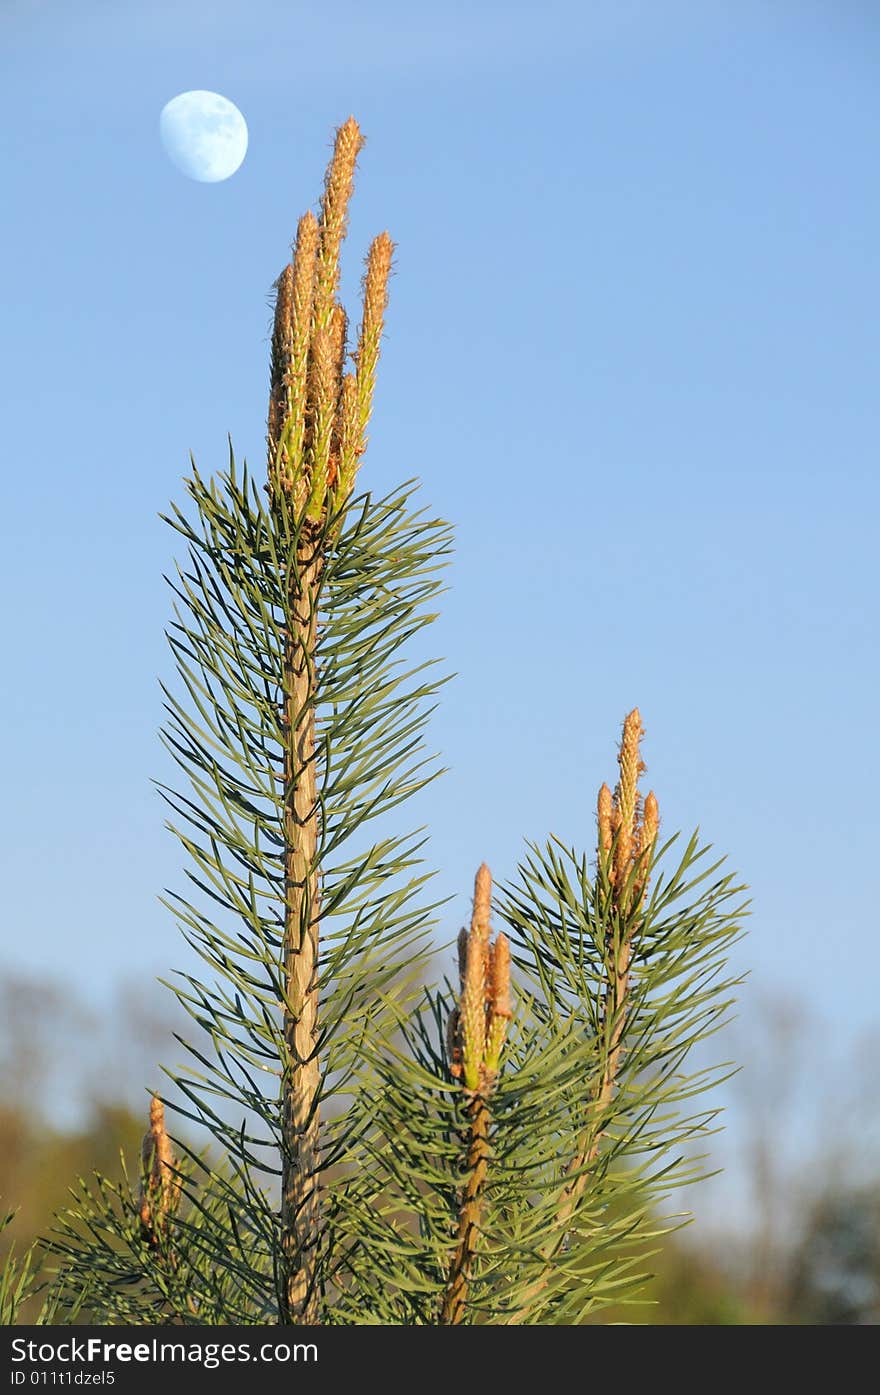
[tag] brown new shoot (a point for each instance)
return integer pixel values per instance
(318, 414)
(324, 397)
(478, 1025)
(475, 1038)
(626, 838)
(338, 186)
(338, 332)
(279, 371)
(375, 304)
(160, 1181)
(626, 799)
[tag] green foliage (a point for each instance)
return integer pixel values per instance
(25, 1295)
(226, 732)
(200, 1271)
(532, 1267)
(575, 1180)
(16, 1278)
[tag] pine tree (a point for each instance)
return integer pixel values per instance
(497, 1149)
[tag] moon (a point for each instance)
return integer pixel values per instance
(204, 135)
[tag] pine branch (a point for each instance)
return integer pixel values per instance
(626, 844)
(621, 865)
(627, 834)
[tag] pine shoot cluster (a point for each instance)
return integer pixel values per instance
(318, 411)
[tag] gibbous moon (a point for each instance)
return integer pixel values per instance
(204, 135)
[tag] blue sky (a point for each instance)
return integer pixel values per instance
(632, 355)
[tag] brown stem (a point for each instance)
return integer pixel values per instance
(300, 1194)
(470, 1210)
(627, 835)
(613, 1012)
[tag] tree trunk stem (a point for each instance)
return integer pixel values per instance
(470, 1211)
(301, 1160)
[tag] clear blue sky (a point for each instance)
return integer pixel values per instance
(632, 354)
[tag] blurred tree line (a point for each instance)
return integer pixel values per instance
(795, 1234)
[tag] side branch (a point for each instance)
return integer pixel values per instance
(476, 1032)
(625, 843)
(626, 876)
(626, 838)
